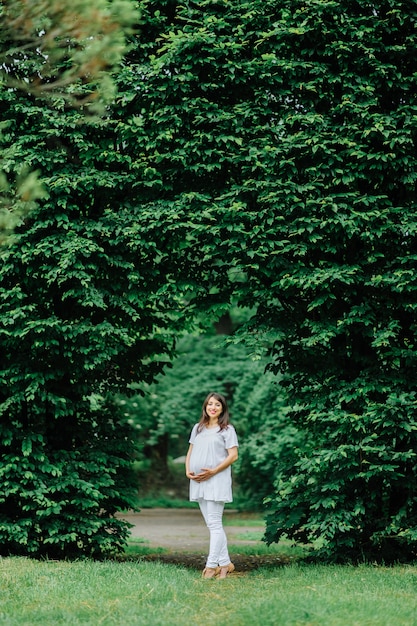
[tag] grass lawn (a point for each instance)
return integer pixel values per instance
(136, 592)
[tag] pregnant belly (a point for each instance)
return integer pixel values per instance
(196, 465)
(197, 469)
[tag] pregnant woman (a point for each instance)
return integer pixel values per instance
(213, 449)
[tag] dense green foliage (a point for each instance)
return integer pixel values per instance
(67, 330)
(57, 52)
(278, 147)
(76, 326)
(345, 276)
(263, 153)
(51, 49)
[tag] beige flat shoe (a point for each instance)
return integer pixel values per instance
(225, 569)
(209, 572)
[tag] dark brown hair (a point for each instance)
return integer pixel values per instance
(224, 419)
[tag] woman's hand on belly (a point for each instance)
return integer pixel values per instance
(205, 474)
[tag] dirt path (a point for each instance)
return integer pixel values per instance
(184, 536)
(184, 529)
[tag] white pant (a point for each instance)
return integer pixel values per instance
(213, 516)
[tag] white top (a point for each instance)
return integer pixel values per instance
(210, 447)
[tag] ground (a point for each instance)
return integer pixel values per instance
(184, 536)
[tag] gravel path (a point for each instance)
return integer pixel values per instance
(184, 529)
(184, 536)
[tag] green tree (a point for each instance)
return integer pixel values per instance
(277, 143)
(49, 48)
(53, 51)
(76, 327)
(268, 439)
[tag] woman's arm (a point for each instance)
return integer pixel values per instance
(187, 463)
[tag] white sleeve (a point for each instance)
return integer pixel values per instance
(230, 437)
(193, 434)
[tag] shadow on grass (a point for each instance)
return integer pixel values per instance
(244, 559)
(242, 562)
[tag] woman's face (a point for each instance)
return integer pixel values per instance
(214, 408)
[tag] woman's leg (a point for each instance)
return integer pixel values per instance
(208, 572)
(213, 516)
(203, 508)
